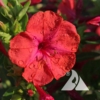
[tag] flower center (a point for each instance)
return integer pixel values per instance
(41, 45)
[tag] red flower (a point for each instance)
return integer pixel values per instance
(2, 49)
(94, 21)
(33, 2)
(1, 3)
(70, 8)
(93, 25)
(46, 50)
(43, 95)
(30, 92)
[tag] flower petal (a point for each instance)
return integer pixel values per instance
(21, 56)
(60, 64)
(51, 23)
(22, 49)
(66, 39)
(94, 21)
(43, 95)
(35, 25)
(38, 73)
(23, 40)
(67, 7)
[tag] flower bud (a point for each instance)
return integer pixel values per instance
(30, 92)
(43, 95)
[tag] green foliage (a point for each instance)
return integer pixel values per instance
(5, 37)
(13, 20)
(14, 17)
(95, 8)
(9, 92)
(23, 11)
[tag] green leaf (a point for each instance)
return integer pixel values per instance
(5, 1)
(23, 11)
(33, 9)
(19, 26)
(7, 14)
(81, 31)
(3, 26)
(92, 42)
(89, 35)
(15, 7)
(23, 22)
(16, 28)
(21, 1)
(23, 85)
(3, 19)
(9, 92)
(16, 97)
(5, 37)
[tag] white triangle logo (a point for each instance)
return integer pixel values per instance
(77, 85)
(81, 86)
